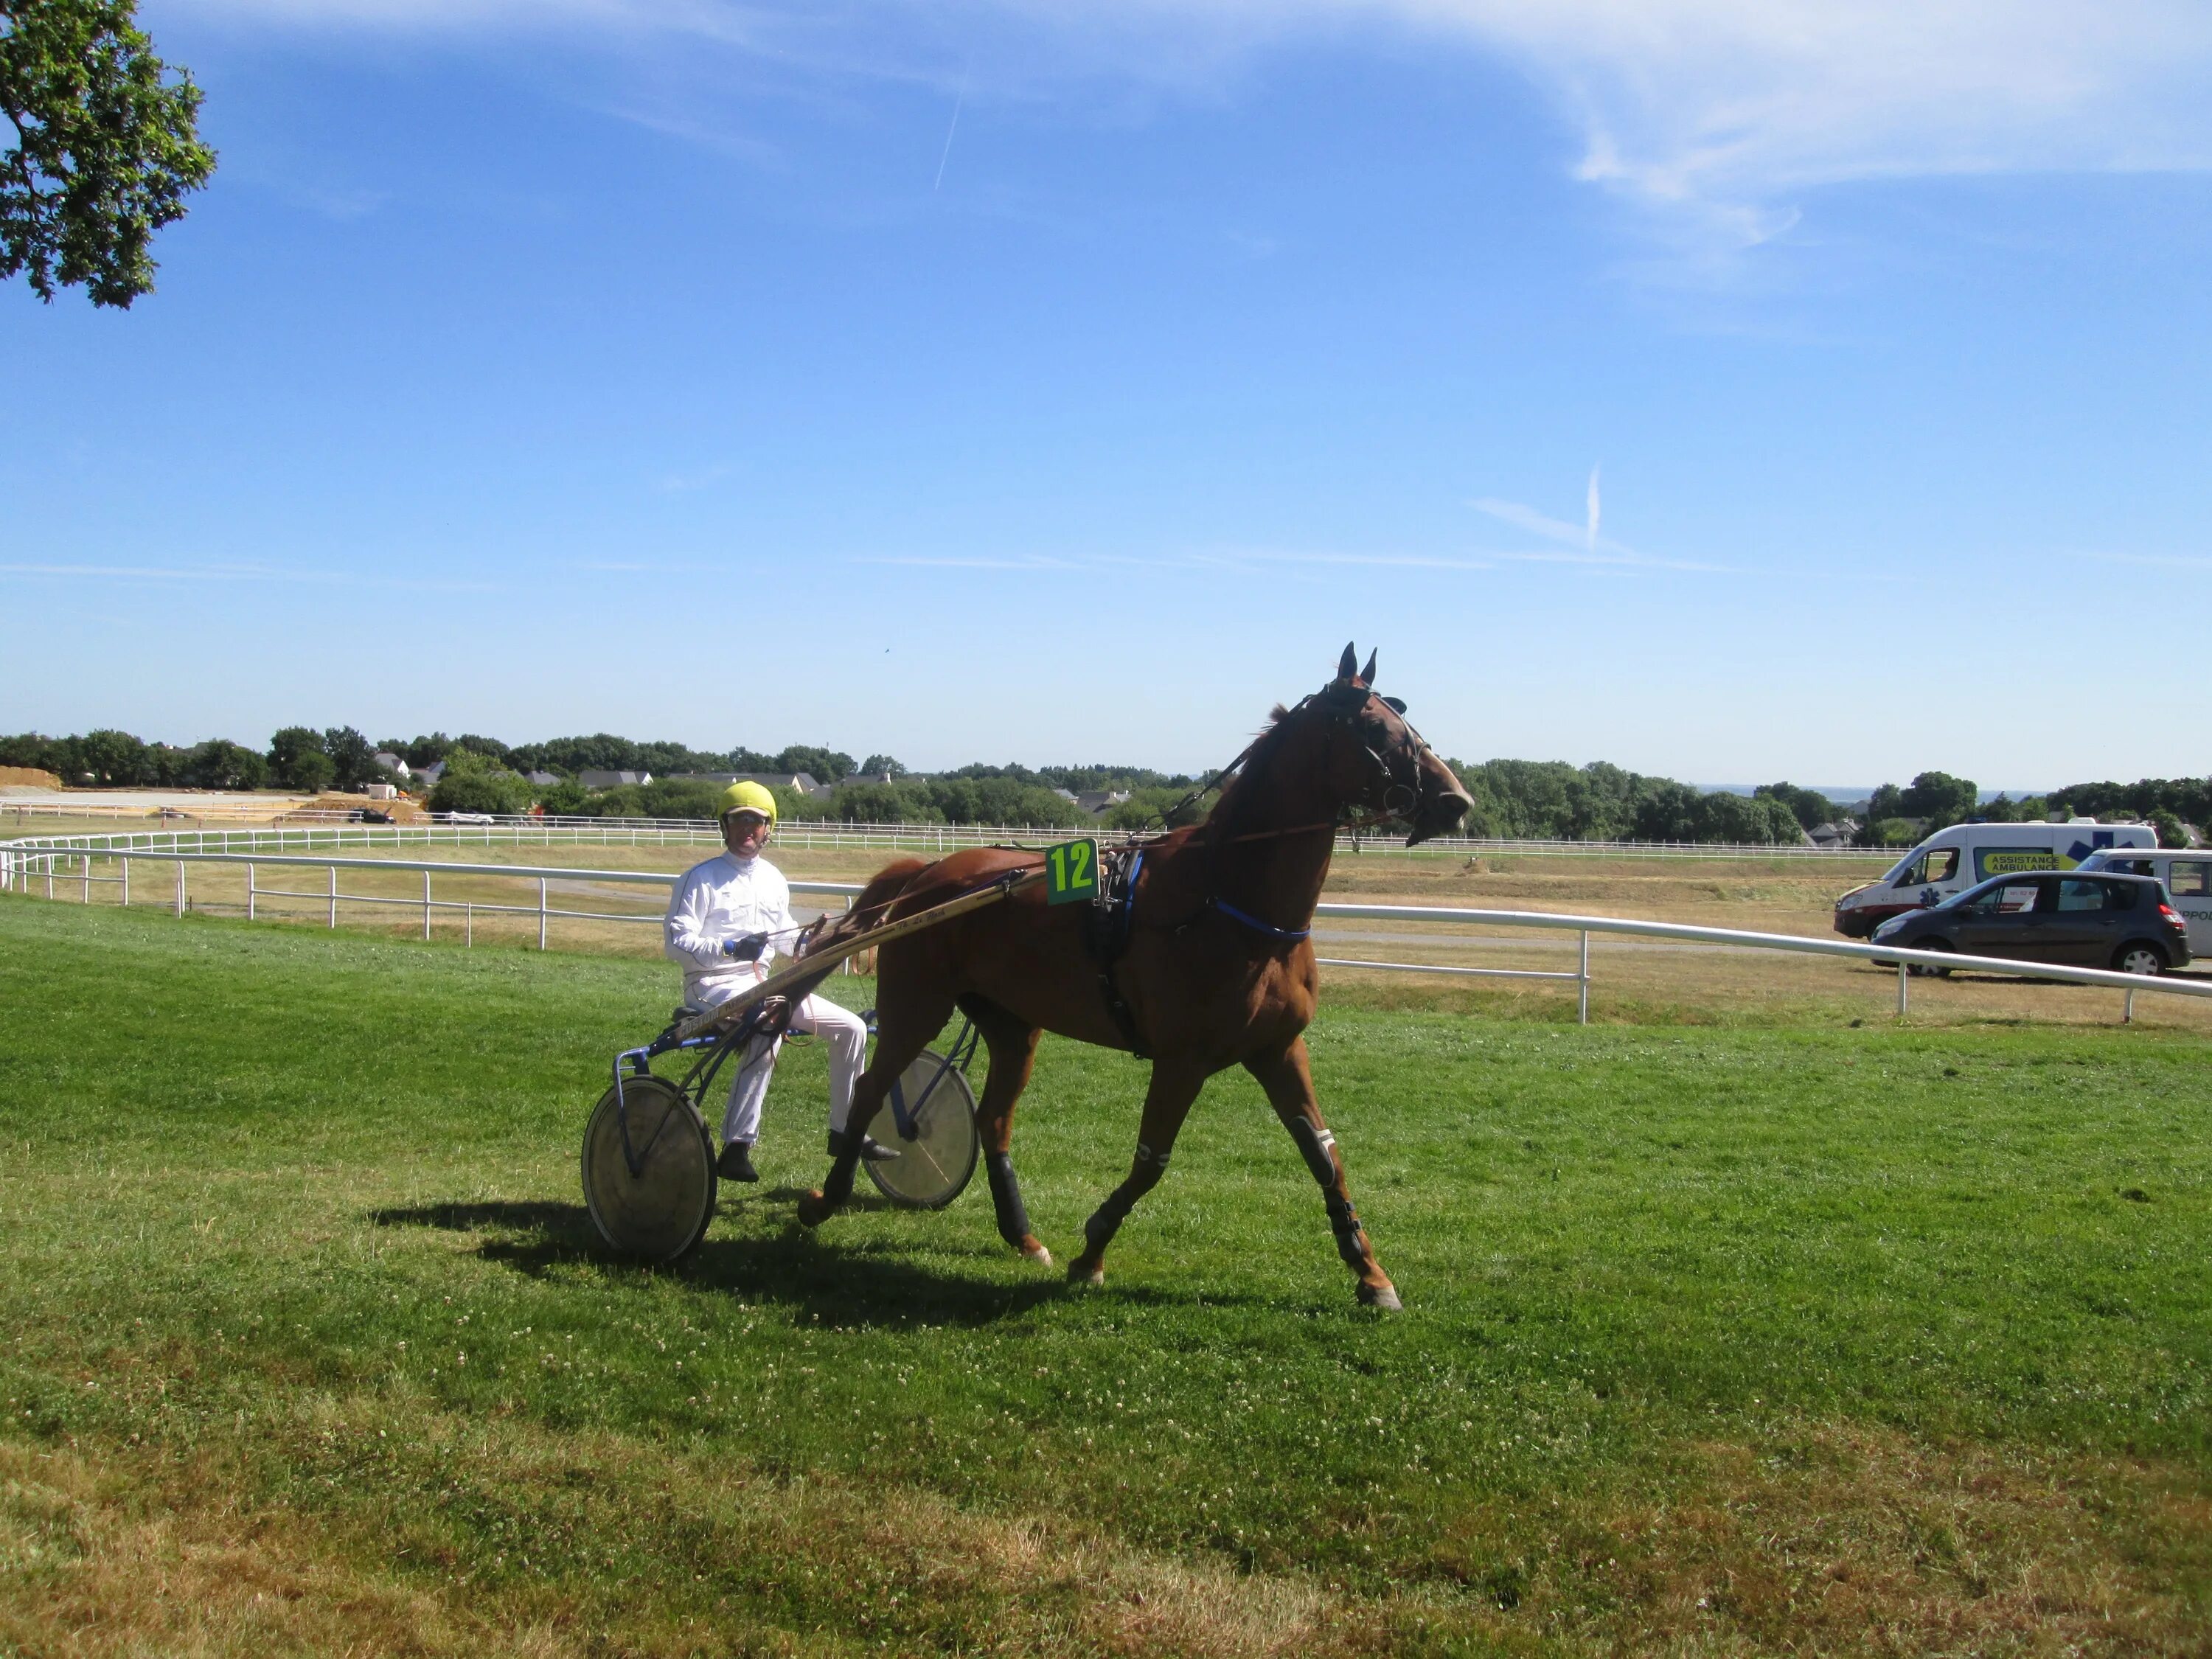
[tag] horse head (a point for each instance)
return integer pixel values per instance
(1376, 759)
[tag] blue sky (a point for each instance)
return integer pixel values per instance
(1730, 390)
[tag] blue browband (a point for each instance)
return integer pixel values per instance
(1255, 924)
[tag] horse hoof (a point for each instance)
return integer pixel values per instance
(1382, 1297)
(1036, 1252)
(1091, 1273)
(814, 1209)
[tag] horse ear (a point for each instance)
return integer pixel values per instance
(1367, 674)
(1348, 664)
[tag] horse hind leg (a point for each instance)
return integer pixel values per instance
(1013, 1054)
(905, 1022)
(1167, 1103)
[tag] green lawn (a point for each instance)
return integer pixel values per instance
(1717, 1341)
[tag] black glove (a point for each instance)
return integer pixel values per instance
(747, 949)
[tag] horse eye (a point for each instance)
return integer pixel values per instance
(1396, 705)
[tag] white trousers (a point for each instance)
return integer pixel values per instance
(843, 1033)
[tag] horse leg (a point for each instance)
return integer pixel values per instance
(1013, 1054)
(903, 1030)
(1289, 1083)
(1167, 1103)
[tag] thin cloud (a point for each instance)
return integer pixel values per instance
(1710, 116)
(1581, 544)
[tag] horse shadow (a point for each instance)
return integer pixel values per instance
(874, 1283)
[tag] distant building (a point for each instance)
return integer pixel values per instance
(1095, 801)
(391, 763)
(592, 780)
(427, 777)
(541, 779)
(1843, 832)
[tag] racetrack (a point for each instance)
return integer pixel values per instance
(1718, 1339)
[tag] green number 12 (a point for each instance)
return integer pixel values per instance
(1072, 871)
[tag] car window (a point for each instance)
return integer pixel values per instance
(2015, 898)
(1937, 864)
(2077, 894)
(2012, 860)
(2189, 878)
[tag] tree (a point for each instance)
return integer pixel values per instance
(880, 766)
(1811, 808)
(2171, 832)
(219, 763)
(107, 147)
(473, 783)
(113, 760)
(353, 762)
(823, 765)
(1940, 798)
(297, 759)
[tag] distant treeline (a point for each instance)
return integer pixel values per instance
(1546, 801)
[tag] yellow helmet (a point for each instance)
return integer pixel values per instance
(747, 796)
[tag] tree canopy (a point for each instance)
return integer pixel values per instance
(107, 147)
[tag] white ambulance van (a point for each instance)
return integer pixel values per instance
(2187, 877)
(1951, 860)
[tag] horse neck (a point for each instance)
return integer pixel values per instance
(1267, 855)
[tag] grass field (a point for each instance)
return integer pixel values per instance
(1719, 1341)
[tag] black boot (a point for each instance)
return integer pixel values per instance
(736, 1162)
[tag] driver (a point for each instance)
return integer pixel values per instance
(725, 921)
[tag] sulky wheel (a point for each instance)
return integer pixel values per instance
(651, 1198)
(932, 1168)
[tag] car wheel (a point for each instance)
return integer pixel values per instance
(1927, 970)
(2140, 957)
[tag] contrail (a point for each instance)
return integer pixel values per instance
(950, 130)
(1592, 510)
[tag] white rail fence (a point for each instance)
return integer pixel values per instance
(59, 870)
(525, 831)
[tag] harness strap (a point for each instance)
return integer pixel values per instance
(1286, 934)
(1109, 950)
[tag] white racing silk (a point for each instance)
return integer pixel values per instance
(725, 899)
(728, 897)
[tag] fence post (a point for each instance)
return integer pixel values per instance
(469, 918)
(541, 913)
(1903, 979)
(334, 895)
(180, 887)
(426, 907)
(249, 892)
(2128, 1010)
(1581, 991)
(126, 863)
(87, 878)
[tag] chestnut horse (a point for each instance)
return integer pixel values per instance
(1218, 969)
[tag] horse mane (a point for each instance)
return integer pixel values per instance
(1235, 792)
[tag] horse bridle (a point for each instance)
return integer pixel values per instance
(1398, 797)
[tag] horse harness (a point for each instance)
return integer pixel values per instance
(1110, 918)
(1106, 924)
